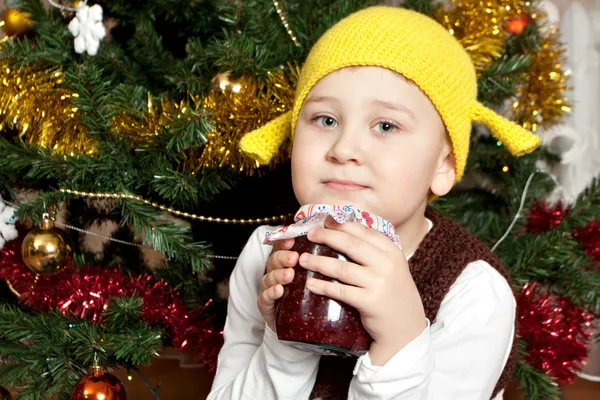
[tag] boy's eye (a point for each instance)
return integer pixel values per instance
(386, 127)
(326, 122)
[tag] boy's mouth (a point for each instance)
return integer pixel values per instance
(344, 186)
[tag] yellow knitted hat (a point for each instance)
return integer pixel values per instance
(414, 46)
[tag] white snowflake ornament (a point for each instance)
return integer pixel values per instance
(8, 231)
(88, 29)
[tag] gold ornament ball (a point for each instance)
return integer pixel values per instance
(47, 250)
(15, 22)
(223, 82)
(99, 385)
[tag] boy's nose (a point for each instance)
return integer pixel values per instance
(347, 148)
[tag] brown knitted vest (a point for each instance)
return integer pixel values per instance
(441, 257)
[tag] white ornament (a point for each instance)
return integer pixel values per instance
(87, 28)
(8, 231)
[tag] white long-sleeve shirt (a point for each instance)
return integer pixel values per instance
(460, 356)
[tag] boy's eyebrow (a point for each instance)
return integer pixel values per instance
(321, 99)
(382, 103)
(394, 106)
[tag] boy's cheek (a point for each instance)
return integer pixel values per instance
(308, 150)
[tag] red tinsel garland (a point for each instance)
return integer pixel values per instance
(543, 217)
(556, 331)
(87, 295)
(589, 237)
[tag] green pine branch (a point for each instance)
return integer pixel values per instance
(187, 190)
(48, 352)
(238, 52)
(182, 127)
(257, 42)
(500, 80)
(586, 207)
(535, 384)
(169, 238)
(188, 131)
(147, 48)
(114, 169)
(123, 68)
(44, 202)
(110, 168)
(91, 86)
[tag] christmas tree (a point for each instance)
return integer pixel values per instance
(126, 116)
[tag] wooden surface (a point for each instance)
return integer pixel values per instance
(194, 384)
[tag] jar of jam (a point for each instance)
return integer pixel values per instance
(317, 323)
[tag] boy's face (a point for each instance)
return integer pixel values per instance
(368, 137)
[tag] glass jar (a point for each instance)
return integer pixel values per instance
(317, 323)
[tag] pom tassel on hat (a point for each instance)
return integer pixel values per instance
(515, 138)
(263, 143)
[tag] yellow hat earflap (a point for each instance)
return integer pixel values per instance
(515, 138)
(263, 143)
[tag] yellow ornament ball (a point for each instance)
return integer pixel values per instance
(15, 22)
(47, 250)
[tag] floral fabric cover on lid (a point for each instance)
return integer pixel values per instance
(313, 215)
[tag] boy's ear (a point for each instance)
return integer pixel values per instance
(445, 175)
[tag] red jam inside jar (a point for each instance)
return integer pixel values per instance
(317, 323)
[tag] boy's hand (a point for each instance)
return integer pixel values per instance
(279, 273)
(378, 283)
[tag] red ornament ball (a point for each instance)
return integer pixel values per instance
(518, 24)
(99, 386)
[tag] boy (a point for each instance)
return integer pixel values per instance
(381, 121)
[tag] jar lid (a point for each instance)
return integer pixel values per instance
(311, 216)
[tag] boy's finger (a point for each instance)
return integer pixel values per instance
(344, 271)
(355, 247)
(277, 277)
(284, 244)
(372, 236)
(266, 301)
(350, 295)
(281, 259)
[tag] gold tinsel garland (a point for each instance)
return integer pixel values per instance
(35, 103)
(482, 28)
(236, 106)
(141, 126)
(541, 100)
(477, 25)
